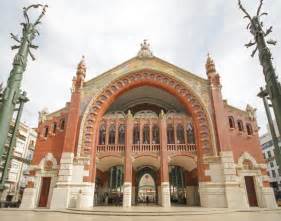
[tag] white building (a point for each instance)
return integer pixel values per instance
(22, 156)
(268, 152)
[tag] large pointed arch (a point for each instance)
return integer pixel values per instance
(102, 101)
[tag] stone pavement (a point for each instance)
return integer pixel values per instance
(141, 213)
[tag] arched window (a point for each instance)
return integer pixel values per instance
(62, 122)
(155, 134)
(249, 129)
(240, 125)
(231, 122)
(136, 134)
(102, 133)
(146, 137)
(190, 134)
(54, 128)
(170, 134)
(121, 134)
(180, 134)
(111, 138)
(46, 131)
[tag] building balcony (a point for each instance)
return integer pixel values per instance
(147, 148)
(181, 148)
(111, 148)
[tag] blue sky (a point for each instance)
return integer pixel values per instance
(109, 32)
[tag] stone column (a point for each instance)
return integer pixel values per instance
(127, 187)
(164, 171)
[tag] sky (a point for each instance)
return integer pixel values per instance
(109, 32)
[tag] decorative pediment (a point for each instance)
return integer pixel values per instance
(247, 161)
(49, 162)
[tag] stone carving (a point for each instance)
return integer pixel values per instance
(251, 112)
(43, 115)
(145, 51)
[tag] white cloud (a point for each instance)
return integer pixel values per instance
(109, 32)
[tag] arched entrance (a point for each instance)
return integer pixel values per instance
(177, 185)
(146, 186)
(183, 179)
(109, 187)
(148, 137)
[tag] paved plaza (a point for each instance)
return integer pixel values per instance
(141, 213)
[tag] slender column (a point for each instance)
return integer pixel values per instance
(107, 132)
(185, 130)
(127, 190)
(150, 132)
(164, 171)
(116, 132)
(175, 132)
(141, 132)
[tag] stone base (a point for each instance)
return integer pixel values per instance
(133, 195)
(165, 194)
(159, 194)
(28, 199)
(127, 194)
(192, 196)
(212, 195)
(268, 198)
(60, 198)
(236, 197)
(85, 197)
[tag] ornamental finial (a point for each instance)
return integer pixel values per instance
(145, 51)
(210, 65)
(81, 68)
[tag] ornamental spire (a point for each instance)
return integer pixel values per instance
(210, 65)
(80, 75)
(145, 51)
(81, 67)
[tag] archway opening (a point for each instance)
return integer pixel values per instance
(177, 185)
(183, 179)
(146, 190)
(146, 193)
(109, 186)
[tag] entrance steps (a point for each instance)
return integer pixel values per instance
(145, 211)
(158, 211)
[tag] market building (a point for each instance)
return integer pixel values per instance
(147, 130)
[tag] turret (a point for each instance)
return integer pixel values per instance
(218, 105)
(78, 80)
(212, 74)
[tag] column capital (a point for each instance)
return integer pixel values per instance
(162, 115)
(129, 115)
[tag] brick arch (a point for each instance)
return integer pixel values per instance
(100, 103)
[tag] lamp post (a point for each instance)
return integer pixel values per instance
(22, 99)
(11, 95)
(273, 87)
(264, 95)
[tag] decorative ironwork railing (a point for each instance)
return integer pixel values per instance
(147, 148)
(182, 147)
(111, 148)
